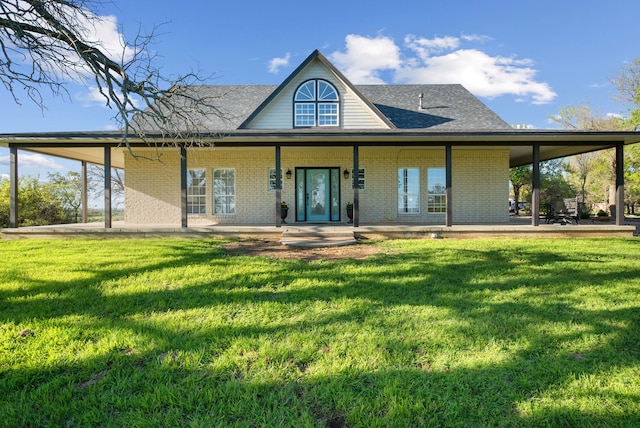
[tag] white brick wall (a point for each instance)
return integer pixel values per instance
(480, 183)
(152, 189)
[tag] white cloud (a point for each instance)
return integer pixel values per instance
(277, 63)
(426, 47)
(441, 60)
(59, 60)
(105, 33)
(35, 160)
(366, 57)
(96, 30)
(93, 96)
(475, 38)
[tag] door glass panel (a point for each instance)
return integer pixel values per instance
(300, 195)
(335, 194)
(318, 203)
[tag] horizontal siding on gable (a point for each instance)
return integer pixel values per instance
(355, 114)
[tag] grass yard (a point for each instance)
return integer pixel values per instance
(496, 332)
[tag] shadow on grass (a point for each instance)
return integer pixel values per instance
(267, 343)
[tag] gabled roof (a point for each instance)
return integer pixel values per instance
(315, 55)
(445, 107)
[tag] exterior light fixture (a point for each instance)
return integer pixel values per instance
(289, 174)
(345, 173)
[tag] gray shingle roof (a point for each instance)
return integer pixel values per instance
(445, 107)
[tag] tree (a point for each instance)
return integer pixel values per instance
(553, 185)
(519, 176)
(46, 43)
(37, 204)
(581, 166)
(585, 118)
(632, 177)
(67, 189)
(96, 175)
(627, 82)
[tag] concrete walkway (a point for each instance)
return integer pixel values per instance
(313, 236)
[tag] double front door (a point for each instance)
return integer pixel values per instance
(317, 194)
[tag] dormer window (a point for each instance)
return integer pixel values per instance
(316, 104)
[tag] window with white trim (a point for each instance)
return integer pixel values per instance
(408, 190)
(436, 190)
(196, 191)
(316, 103)
(224, 191)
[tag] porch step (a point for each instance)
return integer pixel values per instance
(317, 236)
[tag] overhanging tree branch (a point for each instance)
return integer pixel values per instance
(48, 43)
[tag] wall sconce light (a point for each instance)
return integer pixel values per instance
(288, 174)
(345, 173)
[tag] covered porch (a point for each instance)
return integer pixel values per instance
(525, 147)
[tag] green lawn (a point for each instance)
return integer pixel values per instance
(499, 332)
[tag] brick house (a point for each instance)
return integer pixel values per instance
(400, 154)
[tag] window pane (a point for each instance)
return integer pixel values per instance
(326, 92)
(436, 180)
(306, 92)
(408, 190)
(196, 191)
(316, 104)
(436, 190)
(327, 114)
(224, 191)
(272, 179)
(305, 114)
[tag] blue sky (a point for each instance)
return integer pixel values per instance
(524, 59)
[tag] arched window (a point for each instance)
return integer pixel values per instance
(316, 104)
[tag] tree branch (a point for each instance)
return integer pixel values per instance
(44, 43)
